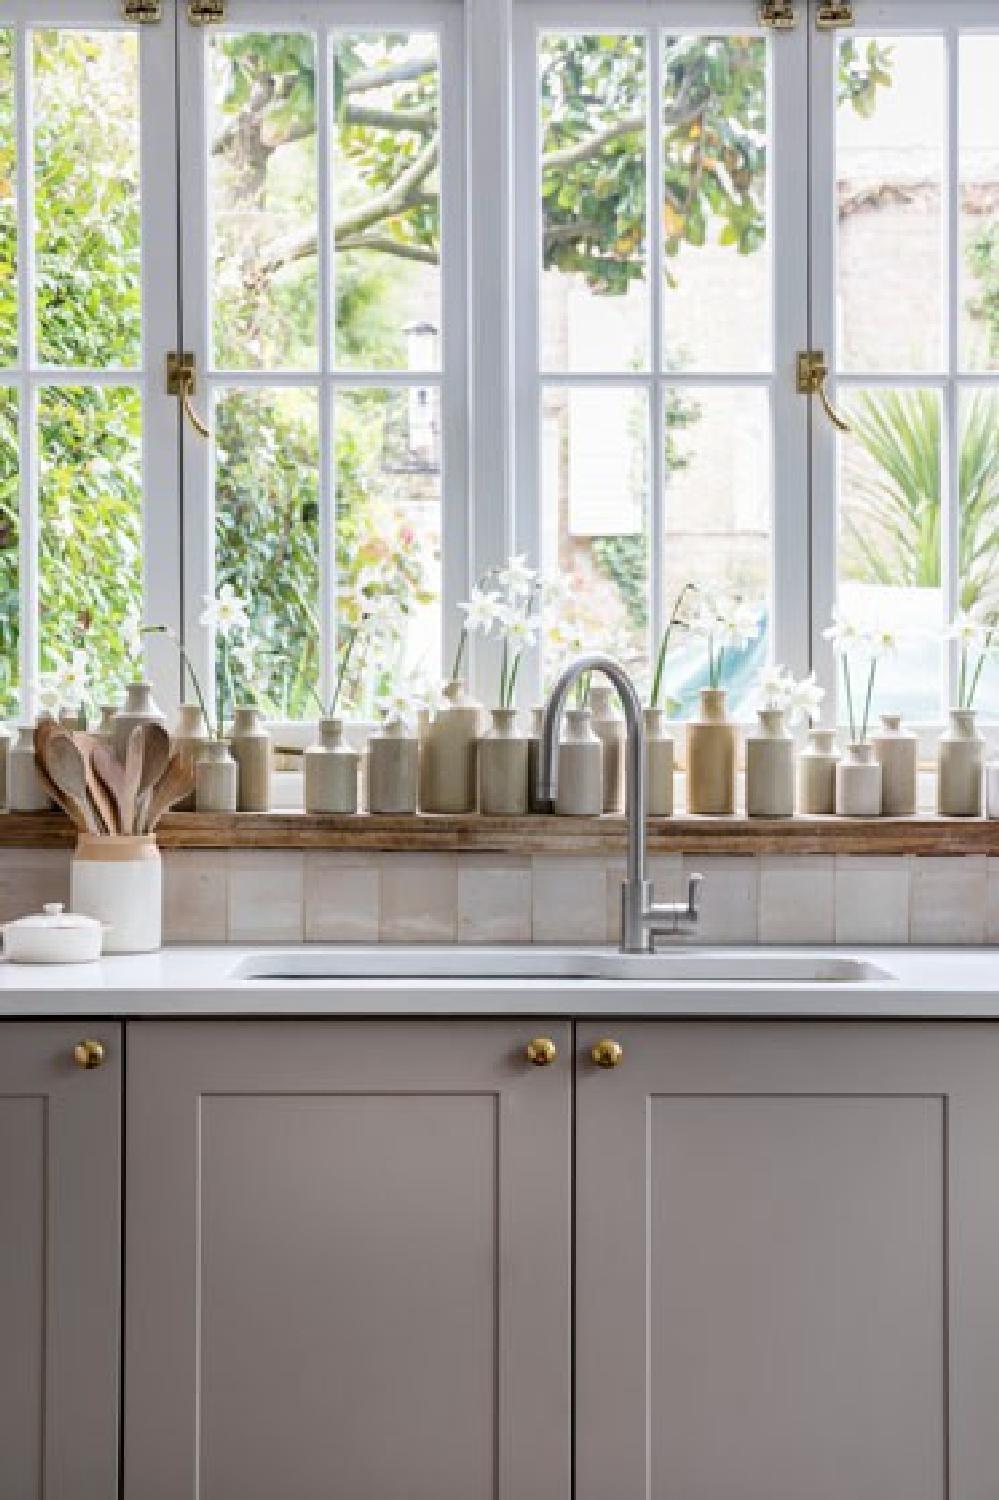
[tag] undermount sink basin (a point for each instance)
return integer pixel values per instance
(684, 967)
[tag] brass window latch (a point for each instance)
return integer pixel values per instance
(182, 382)
(832, 14)
(813, 372)
(778, 15)
(206, 12)
(145, 12)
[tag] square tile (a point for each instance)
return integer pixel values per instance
(569, 899)
(266, 888)
(992, 902)
(419, 901)
(872, 900)
(195, 895)
(797, 898)
(494, 899)
(31, 877)
(729, 898)
(342, 897)
(948, 899)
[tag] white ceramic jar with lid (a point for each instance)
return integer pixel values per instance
(53, 936)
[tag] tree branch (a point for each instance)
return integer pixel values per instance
(386, 246)
(571, 156)
(420, 121)
(367, 79)
(393, 200)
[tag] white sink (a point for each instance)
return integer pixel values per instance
(682, 966)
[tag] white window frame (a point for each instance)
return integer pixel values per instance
(160, 456)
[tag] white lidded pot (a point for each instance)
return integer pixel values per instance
(53, 936)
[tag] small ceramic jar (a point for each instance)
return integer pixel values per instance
(25, 790)
(140, 708)
(897, 753)
(331, 772)
(119, 882)
(534, 803)
(450, 750)
(960, 767)
(711, 757)
(216, 779)
(580, 768)
(250, 747)
(817, 774)
(393, 769)
(189, 740)
(660, 758)
(770, 768)
(858, 782)
(608, 726)
(503, 768)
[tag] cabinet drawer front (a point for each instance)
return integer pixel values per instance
(348, 1262)
(59, 1262)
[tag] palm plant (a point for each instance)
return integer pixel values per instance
(892, 527)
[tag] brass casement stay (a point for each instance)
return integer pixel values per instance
(181, 382)
(778, 15)
(813, 372)
(832, 14)
(206, 12)
(146, 12)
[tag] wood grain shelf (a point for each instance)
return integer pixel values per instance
(536, 835)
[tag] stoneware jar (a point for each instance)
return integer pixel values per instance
(119, 882)
(393, 769)
(897, 752)
(992, 789)
(817, 774)
(503, 767)
(711, 756)
(858, 782)
(6, 740)
(450, 751)
(140, 708)
(660, 758)
(534, 803)
(216, 779)
(770, 767)
(189, 740)
(250, 747)
(960, 767)
(332, 771)
(104, 729)
(608, 726)
(580, 768)
(25, 792)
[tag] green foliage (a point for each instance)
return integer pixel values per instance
(983, 262)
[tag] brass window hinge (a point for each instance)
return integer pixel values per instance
(143, 11)
(778, 15)
(832, 14)
(206, 12)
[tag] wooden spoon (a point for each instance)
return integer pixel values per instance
(176, 783)
(131, 778)
(155, 759)
(68, 774)
(99, 794)
(112, 774)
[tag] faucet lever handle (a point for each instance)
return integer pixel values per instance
(694, 884)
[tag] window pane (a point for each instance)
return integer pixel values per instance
(979, 535)
(717, 297)
(8, 204)
(389, 523)
(891, 479)
(979, 203)
(9, 541)
(263, 189)
(595, 509)
(87, 209)
(386, 174)
(889, 200)
(267, 541)
(594, 278)
(718, 523)
(90, 509)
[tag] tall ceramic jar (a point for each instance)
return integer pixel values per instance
(817, 774)
(450, 753)
(534, 803)
(711, 755)
(659, 764)
(189, 740)
(897, 752)
(140, 708)
(6, 740)
(858, 782)
(107, 713)
(580, 768)
(216, 779)
(503, 767)
(393, 769)
(770, 767)
(331, 771)
(960, 767)
(251, 750)
(608, 726)
(119, 881)
(25, 791)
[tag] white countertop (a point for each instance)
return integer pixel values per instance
(951, 983)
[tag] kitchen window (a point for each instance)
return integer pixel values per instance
(461, 280)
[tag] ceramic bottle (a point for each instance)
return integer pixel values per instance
(6, 740)
(216, 779)
(331, 771)
(858, 782)
(393, 769)
(140, 708)
(897, 752)
(580, 767)
(659, 763)
(104, 730)
(503, 767)
(608, 726)
(960, 767)
(25, 792)
(770, 767)
(534, 803)
(450, 751)
(189, 740)
(817, 774)
(711, 757)
(250, 747)
(119, 881)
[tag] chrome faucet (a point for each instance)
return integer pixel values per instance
(643, 919)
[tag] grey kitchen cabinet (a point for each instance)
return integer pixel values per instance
(60, 1135)
(348, 1251)
(787, 1261)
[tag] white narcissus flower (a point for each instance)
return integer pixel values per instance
(776, 688)
(517, 579)
(70, 679)
(520, 633)
(806, 700)
(382, 617)
(404, 699)
(225, 613)
(482, 611)
(47, 693)
(883, 641)
(968, 628)
(730, 622)
(845, 632)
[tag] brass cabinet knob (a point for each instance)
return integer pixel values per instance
(88, 1053)
(606, 1053)
(542, 1052)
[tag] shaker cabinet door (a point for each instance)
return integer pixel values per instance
(788, 1262)
(59, 1261)
(348, 1262)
